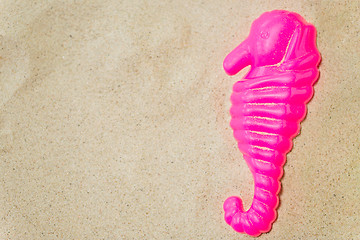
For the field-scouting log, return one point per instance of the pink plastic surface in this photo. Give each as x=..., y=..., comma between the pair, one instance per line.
x=268, y=105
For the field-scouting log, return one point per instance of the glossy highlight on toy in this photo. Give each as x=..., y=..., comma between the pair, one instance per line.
x=268, y=105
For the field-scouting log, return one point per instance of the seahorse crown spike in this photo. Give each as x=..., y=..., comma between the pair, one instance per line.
x=268, y=105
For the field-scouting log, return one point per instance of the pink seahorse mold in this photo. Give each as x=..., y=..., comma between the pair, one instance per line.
x=268, y=106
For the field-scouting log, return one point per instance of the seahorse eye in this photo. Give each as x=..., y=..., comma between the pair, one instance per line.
x=265, y=34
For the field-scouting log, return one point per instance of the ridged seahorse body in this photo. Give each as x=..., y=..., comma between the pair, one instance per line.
x=268, y=105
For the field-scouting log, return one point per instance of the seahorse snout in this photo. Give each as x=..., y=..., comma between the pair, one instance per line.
x=238, y=59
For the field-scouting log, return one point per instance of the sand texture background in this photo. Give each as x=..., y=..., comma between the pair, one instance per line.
x=114, y=121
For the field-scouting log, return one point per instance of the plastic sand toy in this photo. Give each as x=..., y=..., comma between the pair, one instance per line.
x=268, y=105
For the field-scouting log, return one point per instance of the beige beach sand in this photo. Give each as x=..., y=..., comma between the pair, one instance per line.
x=114, y=122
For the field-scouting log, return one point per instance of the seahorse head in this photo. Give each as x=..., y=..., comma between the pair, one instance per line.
x=274, y=37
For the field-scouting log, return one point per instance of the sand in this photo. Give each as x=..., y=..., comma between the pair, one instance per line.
x=114, y=122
